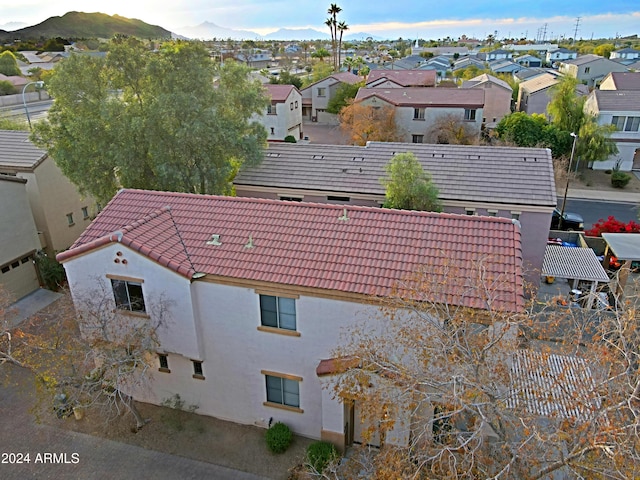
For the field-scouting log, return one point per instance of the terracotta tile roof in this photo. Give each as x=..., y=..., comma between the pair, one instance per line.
x=17, y=152
x=406, y=78
x=279, y=93
x=305, y=244
x=426, y=97
x=472, y=173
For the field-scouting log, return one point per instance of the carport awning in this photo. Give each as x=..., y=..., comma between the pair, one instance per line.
x=573, y=262
x=625, y=246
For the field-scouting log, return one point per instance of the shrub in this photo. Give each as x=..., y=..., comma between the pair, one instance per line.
x=320, y=454
x=279, y=437
x=620, y=179
x=290, y=139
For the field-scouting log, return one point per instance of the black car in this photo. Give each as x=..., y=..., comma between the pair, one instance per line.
x=570, y=221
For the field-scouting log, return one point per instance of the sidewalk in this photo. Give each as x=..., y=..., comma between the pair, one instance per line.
x=601, y=195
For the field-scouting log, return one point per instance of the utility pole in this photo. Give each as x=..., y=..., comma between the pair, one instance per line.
x=544, y=33
x=575, y=32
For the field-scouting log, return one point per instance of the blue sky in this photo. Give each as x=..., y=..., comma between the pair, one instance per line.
x=385, y=18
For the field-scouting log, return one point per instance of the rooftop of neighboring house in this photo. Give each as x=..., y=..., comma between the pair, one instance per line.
x=528, y=73
x=562, y=50
x=617, y=100
x=17, y=153
x=344, y=77
x=526, y=56
x=425, y=97
x=405, y=78
x=538, y=83
x=15, y=80
x=279, y=93
x=507, y=175
x=486, y=78
x=341, y=250
x=584, y=59
x=626, y=80
x=627, y=50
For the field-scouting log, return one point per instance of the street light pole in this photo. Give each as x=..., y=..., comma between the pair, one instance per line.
x=566, y=188
x=38, y=84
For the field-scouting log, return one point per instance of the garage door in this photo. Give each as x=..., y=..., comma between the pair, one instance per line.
x=19, y=277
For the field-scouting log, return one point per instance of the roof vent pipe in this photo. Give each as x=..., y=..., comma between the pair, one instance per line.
x=215, y=240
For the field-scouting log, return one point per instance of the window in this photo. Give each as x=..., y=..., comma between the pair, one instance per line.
x=283, y=391
x=587, y=69
x=271, y=109
x=322, y=91
x=24, y=260
x=278, y=312
x=70, y=219
x=85, y=212
x=296, y=103
x=273, y=130
x=291, y=106
x=470, y=114
x=470, y=211
x=418, y=113
x=515, y=215
x=164, y=362
x=632, y=124
x=492, y=213
x=417, y=138
x=618, y=122
x=128, y=295
x=197, y=369
x=15, y=264
x=291, y=199
x=5, y=269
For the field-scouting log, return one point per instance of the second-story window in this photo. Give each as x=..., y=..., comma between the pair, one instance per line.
x=418, y=113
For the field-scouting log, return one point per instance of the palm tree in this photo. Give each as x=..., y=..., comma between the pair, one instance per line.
x=305, y=48
x=332, y=23
x=342, y=26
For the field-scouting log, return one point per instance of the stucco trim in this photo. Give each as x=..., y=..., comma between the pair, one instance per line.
x=279, y=331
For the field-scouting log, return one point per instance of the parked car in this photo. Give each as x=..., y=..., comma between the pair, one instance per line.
x=570, y=221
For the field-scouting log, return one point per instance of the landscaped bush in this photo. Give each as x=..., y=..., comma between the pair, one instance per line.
x=620, y=179
x=320, y=454
x=290, y=139
x=279, y=437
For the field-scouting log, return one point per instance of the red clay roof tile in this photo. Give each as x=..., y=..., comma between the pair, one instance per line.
x=306, y=244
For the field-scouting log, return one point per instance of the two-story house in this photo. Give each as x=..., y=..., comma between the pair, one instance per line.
x=60, y=212
x=590, y=69
x=510, y=182
x=497, y=97
x=315, y=97
x=418, y=109
x=621, y=81
x=626, y=56
x=283, y=116
x=18, y=238
x=528, y=61
x=255, y=292
x=560, y=55
x=534, y=95
x=620, y=108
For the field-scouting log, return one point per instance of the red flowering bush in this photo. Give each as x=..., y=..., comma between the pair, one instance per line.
x=611, y=225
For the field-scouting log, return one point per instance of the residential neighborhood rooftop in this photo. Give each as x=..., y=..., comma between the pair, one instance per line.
x=541, y=82
x=406, y=78
x=353, y=250
x=425, y=97
x=17, y=152
x=626, y=80
x=279, y=93
x=509, y=175
x=618, y=100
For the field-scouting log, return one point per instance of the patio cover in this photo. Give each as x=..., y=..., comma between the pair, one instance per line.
x=574, y=263
x=625, y=246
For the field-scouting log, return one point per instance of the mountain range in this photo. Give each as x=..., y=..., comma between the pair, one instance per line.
x=92, y=25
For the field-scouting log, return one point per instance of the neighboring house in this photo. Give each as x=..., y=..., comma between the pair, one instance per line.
x=533, y=95
x=316, y=96
x=560, y=55
x=402, y=78
x=511, y=182
x=17, y=81
x=60, y=212
x=467, y=62
x=622, y=109
x=18, y=238
x=625, y=56
x=590, y=69
x=528, y=61
x=634, y=67
x=440, y=64
x=417, y=109
x=283, y=116
x=497, y=97
x=530, y=73
x=498, y=54
x=540, y=48
x=443, y=50
x=255, y=58
x=621, y=81
x=256, y=292
x=504, y=66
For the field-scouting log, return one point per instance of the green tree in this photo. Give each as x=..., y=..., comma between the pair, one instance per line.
x=534, y=131
x=594, y=143
x=344, y=93
x=7, y=88
x=604, y=50
x=8, y=64
x=319, y=71
x=321, y=53
x=139, y=119
x=286, y=78
x=566, y=106
x=408, y=186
